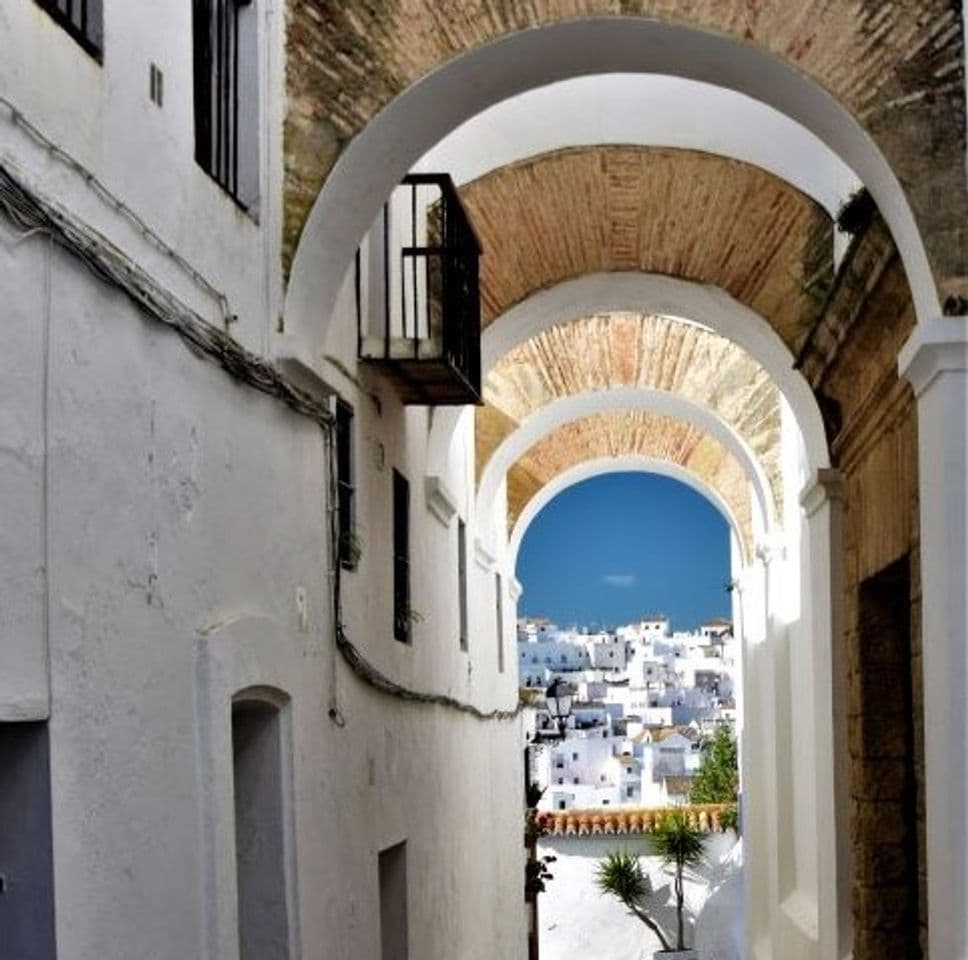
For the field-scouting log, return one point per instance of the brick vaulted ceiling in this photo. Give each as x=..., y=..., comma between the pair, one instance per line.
x=681, y=213
x=896, y=65
x=676, y=212
x=630, y=433
x=633, y=350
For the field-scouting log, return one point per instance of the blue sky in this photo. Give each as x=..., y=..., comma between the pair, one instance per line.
x=619, y=546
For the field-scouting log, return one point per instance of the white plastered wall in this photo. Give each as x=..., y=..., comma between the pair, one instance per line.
x=165, y=543
x=186, y=531
x=102, y=117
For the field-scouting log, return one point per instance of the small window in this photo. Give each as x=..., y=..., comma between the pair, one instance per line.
x=394, y=924
x=82, y=19
x=349, y=553
x=561, y=804
x=561, y=780
x=574, y=756
x=629, y=791
x=462, y=582
x=226, y=56
x=575, y=780
x=605, y=803
x=26, y=862
x=259, y=765
x=402, y=614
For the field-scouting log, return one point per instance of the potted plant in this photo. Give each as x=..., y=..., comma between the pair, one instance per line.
x=536, y=872
x=680, y=845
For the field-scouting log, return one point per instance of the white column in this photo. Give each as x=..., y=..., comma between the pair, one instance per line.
x=935, y=361
x=822, y=503
x=760, y=822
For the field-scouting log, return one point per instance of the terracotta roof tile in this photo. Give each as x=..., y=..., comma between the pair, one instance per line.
x=603, y=821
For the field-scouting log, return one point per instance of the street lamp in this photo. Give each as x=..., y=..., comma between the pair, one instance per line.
x=558, y=700
x=558, y=704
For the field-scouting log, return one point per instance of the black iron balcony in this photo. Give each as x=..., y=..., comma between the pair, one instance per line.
x=418, y=296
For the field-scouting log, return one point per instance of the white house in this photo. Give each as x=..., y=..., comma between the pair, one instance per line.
x=543, y=655
x=607, y=652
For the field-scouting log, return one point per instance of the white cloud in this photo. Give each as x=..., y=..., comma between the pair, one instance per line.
x=619, y=579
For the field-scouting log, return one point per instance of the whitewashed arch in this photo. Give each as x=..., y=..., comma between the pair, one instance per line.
x=643, y=110
x=578, y=406
x=630, y=463
x=645, y=293
x=406, y=128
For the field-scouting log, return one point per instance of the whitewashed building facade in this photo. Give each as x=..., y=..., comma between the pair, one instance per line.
x=246, y=723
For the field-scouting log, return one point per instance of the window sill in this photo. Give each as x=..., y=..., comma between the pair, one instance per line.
x=93, y=49
x=250, y=211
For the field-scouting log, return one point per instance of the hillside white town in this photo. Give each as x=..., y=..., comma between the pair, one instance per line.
x=644, y=699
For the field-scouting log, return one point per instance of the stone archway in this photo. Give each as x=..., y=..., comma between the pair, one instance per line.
x=406, y=107
x=636, y=420
x=630, y=463
x=657, y=294
x=384, y=147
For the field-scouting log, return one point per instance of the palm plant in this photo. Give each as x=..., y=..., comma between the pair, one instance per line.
x=680, y=845
x=620, y=874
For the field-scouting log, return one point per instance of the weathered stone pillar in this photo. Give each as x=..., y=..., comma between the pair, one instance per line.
x=935, y=361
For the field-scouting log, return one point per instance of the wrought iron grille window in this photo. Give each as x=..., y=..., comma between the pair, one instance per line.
x=225, y=45
x=345, y=488
x=418, y=311
x=82, y=19
x=402, y=615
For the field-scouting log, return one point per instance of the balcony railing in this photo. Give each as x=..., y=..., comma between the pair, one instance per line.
x=418, y=295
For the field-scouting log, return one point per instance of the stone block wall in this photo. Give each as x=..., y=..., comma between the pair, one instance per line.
x=885, y=768
x=872, y=422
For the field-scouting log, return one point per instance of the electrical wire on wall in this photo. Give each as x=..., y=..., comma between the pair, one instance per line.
x=360, y=666
x=118, y=205
x=30, y=213
x=27, y=211
x=333, y=594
